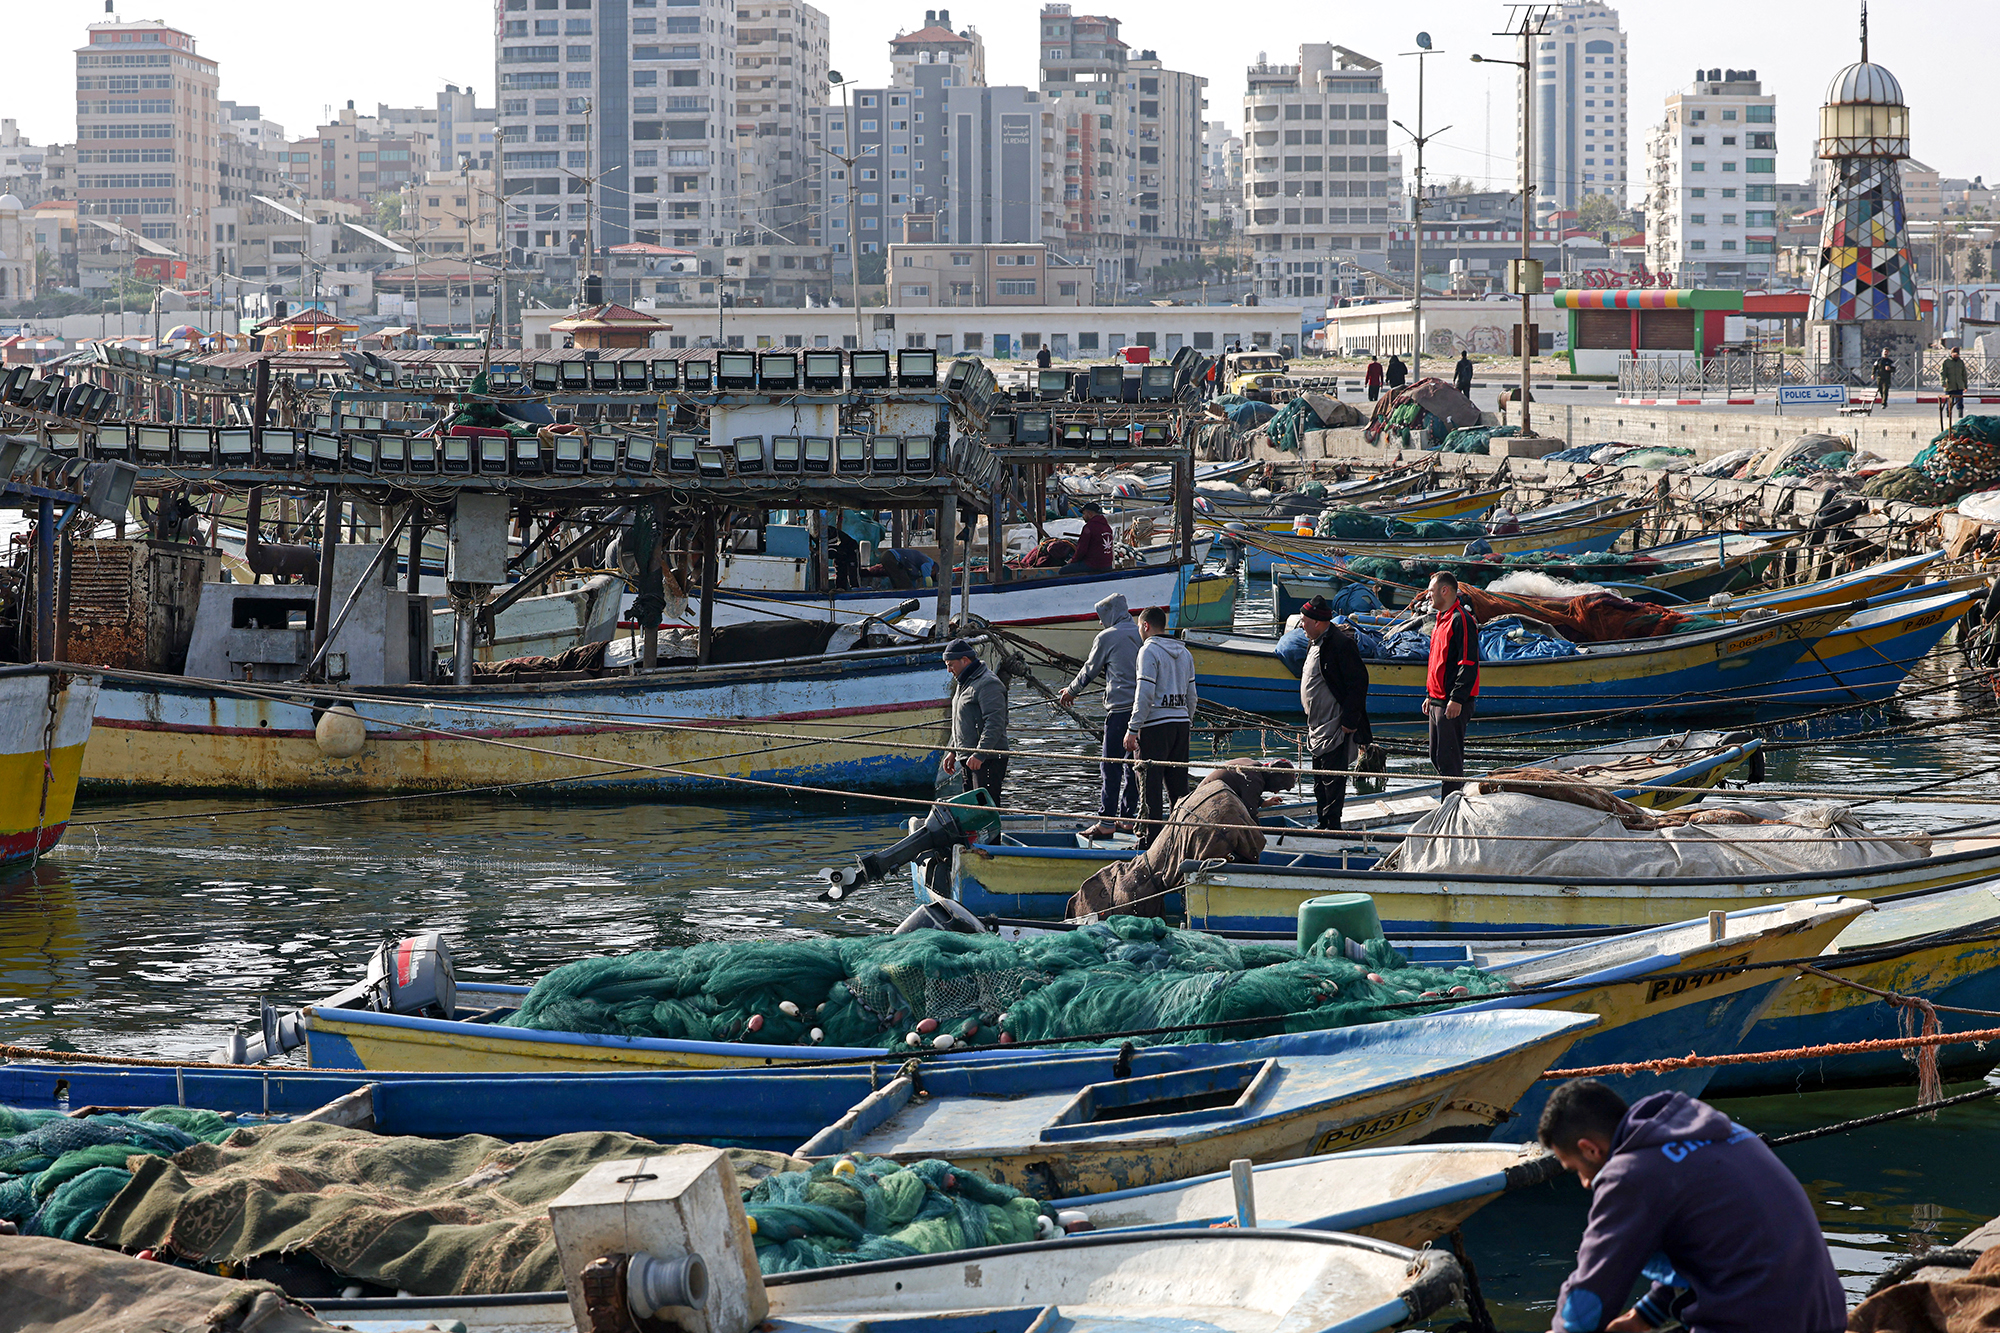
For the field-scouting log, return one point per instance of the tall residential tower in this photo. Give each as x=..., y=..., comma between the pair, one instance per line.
x=1580, y=109
x=148, y=126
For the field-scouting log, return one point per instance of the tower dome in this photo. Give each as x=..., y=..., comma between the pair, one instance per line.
x=1863, y=83
x=10, y=203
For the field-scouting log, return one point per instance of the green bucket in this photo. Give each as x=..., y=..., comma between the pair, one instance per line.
x=1350, y=916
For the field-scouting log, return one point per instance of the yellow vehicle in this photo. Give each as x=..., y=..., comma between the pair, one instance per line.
x=1251, y=370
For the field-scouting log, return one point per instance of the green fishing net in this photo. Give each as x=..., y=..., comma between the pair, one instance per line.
x=851, y=1210
x=1121, y=975
x=57, y=1174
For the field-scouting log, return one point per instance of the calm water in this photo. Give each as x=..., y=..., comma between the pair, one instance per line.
x=148, y=937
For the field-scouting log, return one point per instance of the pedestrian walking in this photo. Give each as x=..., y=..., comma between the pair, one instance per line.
x=1333, y=694
x=1885, y=372
x=1042, y=358
x=1163, y=705
x=1452, y=682
x=1114, y=654
x=1461, y=374
x=978, y=720
x=1372, y=377
x=1398, y=374
x=1953, y=374
x=1684, y=1196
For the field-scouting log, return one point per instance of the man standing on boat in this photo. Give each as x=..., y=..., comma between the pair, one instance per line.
x=1114, y=654
x=978, y=720
x=1333, y=694
x=1163, y=705
x=1683, y=1195
x=1453, y=680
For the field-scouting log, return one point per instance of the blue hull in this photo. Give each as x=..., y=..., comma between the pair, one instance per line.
x=1870, y=673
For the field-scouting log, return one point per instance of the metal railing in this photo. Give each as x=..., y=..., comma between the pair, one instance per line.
x=1747, y=374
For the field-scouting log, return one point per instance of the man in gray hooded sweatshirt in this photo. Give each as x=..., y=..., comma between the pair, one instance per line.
x=1114, y=654
x=1163, y=707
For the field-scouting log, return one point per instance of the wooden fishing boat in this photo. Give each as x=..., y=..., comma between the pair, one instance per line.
x=1361, y=490
x=1453, y=502
x=822, y=722
x=1700, y=672
x=1203, y=601
x=1586, y=528
x=1234, y=1281
x=45, y=723
x=1857, y=585
x=1868, y=656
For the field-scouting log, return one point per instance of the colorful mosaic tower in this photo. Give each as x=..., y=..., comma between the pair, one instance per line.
x=1864, y=294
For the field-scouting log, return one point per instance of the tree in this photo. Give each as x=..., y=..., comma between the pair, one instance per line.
x=1598, y=213
x=874, y=267
x=388, y=210
x=1975, y=263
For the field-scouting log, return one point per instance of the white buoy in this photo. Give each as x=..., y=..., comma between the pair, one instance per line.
x=340, y=733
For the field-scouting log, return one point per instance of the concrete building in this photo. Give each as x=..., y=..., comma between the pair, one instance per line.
x=451, y=213
x=1582, y=112
x=51, y=226
x=359, y=158
x=936, y=44
x=782, y=52
x=456, y=126
x=1923, y=195
x=999, y=175
x=1320, y=186
x=1221, y=175
x=940, y=276
x=20, y=164
x=252, y=158
x=1712, y=183
x=17, y=250
x=1171, y=120
x=147, y=120
x=895, y=138
x=638, y=98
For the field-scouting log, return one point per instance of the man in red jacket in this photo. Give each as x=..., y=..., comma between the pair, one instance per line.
x=1372, y=377
x=1096, y=545
x=1453, y=682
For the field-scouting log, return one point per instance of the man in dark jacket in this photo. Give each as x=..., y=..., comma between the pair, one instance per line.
x=1096, y=545
x=1042, y=357
x=1398, y=373
x=1885, y=373
x=1952, y=374
x=978, y=720
x=1681, y=1194
x=1461, y=374
x=1452, y=681
x=1333, y=694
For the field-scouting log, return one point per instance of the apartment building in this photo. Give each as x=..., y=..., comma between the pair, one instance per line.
x=999, y=173
x=932, y=276
x=252, y=157
x=608, y=107
x=1320, y=186
x=1582, y=111
x=1171, y=118
x=147, y=130
x=782, y=52
x=936, y=44
x=1712, y=183
x=451, y=213
x=357, y=158
x=20, y=164
x=456, y=126
x=1221, y=174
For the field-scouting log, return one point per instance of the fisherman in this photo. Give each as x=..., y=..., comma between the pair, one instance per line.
x=1333, y=694
x=1683, y=1195
x=1398, y=373
x=1114, y=654
x=904, y=567
x=1372, y=377
x=1163, y=705
x=1461, y=374
x=1217, y=823
x=1096, y=545
x=1885, y=371
x=978, y=720
x=1952, y=372
x=1453, y=680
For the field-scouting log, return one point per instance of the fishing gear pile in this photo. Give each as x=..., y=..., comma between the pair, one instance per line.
x=57, y=1174
x=853, y=1210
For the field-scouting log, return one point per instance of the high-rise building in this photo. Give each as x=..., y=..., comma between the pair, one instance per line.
x=1171, y=116
x=147, y=125
x=936, y=44
x=607, y=112
x=782, y=52
x=1320, y=186
x=252, y=158
x=1581, y=109
x=997, y=188
x=358, y=158
x=1221, y=174
x=1712, y=183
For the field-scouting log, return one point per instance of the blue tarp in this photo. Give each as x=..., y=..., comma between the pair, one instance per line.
x=1495, y=645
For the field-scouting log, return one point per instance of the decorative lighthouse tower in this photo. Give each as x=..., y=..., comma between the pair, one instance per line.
x=1864, y=294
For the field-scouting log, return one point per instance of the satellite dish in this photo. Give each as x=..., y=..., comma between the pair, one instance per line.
x=1424, y=41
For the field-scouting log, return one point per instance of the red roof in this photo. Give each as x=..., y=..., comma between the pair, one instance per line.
x=933, y=35
x=608, y=315
x=1777, y=303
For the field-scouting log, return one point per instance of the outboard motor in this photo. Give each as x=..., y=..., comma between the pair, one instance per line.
x=407, y=976
x=957, y=819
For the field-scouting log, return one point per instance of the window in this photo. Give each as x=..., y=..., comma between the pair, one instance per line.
x=868, y=126
x=1729, y=166
x=1761, y=166
x=577, y=27
x=1729, y=194
x=1730, y=114
x=1756, y=246
x=1697, y=193
x=1697, y=219
x=1701, y=166
x=527, y=55
x=1762, y=193
x=1729, y=245
x=1761, y=218
x=1728, y=219
x=1728, y=141
x=1698, y=138
x=1760, y=115
x=1697, y=245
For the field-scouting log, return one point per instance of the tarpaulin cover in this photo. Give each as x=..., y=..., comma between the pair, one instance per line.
x=1593, y=617
x=52, y=1286
x=434, y=1217
x=1444, y=402
x=1619, y=567
x=1497, y=643
x=1511, y=833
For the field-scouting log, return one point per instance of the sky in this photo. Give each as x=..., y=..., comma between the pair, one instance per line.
x=404, y=51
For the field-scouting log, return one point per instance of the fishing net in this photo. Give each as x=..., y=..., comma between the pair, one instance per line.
x=57, y=1174
x=1120, y=975
x=852, y=1210
x=1360, y=525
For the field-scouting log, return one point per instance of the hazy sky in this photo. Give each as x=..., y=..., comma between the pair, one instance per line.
x=279, y=56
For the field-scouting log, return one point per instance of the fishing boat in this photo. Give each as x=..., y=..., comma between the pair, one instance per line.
x=1572, y=529
x=1699, y=672
x=1857, y=585
x=1452, y=502
x=45, y=723
x=1867, y=657
x=869, y=718
x=1360, y=490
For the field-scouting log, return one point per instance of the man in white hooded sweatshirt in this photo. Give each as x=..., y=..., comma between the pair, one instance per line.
x=1114, y=654
x=1163, y=706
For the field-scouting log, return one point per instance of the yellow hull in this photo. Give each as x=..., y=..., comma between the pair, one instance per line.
x=45, y=720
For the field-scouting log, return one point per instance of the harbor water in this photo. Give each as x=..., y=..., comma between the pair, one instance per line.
x=156, y=924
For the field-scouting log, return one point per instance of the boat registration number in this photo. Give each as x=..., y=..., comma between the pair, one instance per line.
x=1668, y=987
x=1367, y=1131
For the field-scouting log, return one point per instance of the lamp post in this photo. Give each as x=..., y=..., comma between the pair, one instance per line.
x=1419, y=138
x=853, y=241
x=1532, y=17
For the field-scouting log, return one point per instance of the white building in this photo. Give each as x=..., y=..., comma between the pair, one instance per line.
x=642, y=101
x=1320, y=186
x=936, y=44
x=782, y=52
x=1221, y=174
x=1712, y=183
x=1581, y=110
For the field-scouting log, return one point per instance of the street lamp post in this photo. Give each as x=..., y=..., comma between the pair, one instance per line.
x=1419, y=138
x=1532, y=17
x=853, y=241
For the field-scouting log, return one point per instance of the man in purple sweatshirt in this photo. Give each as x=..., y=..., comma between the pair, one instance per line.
x=1684, y=1196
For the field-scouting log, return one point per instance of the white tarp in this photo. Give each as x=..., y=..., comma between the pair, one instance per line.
x=1514, y=834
